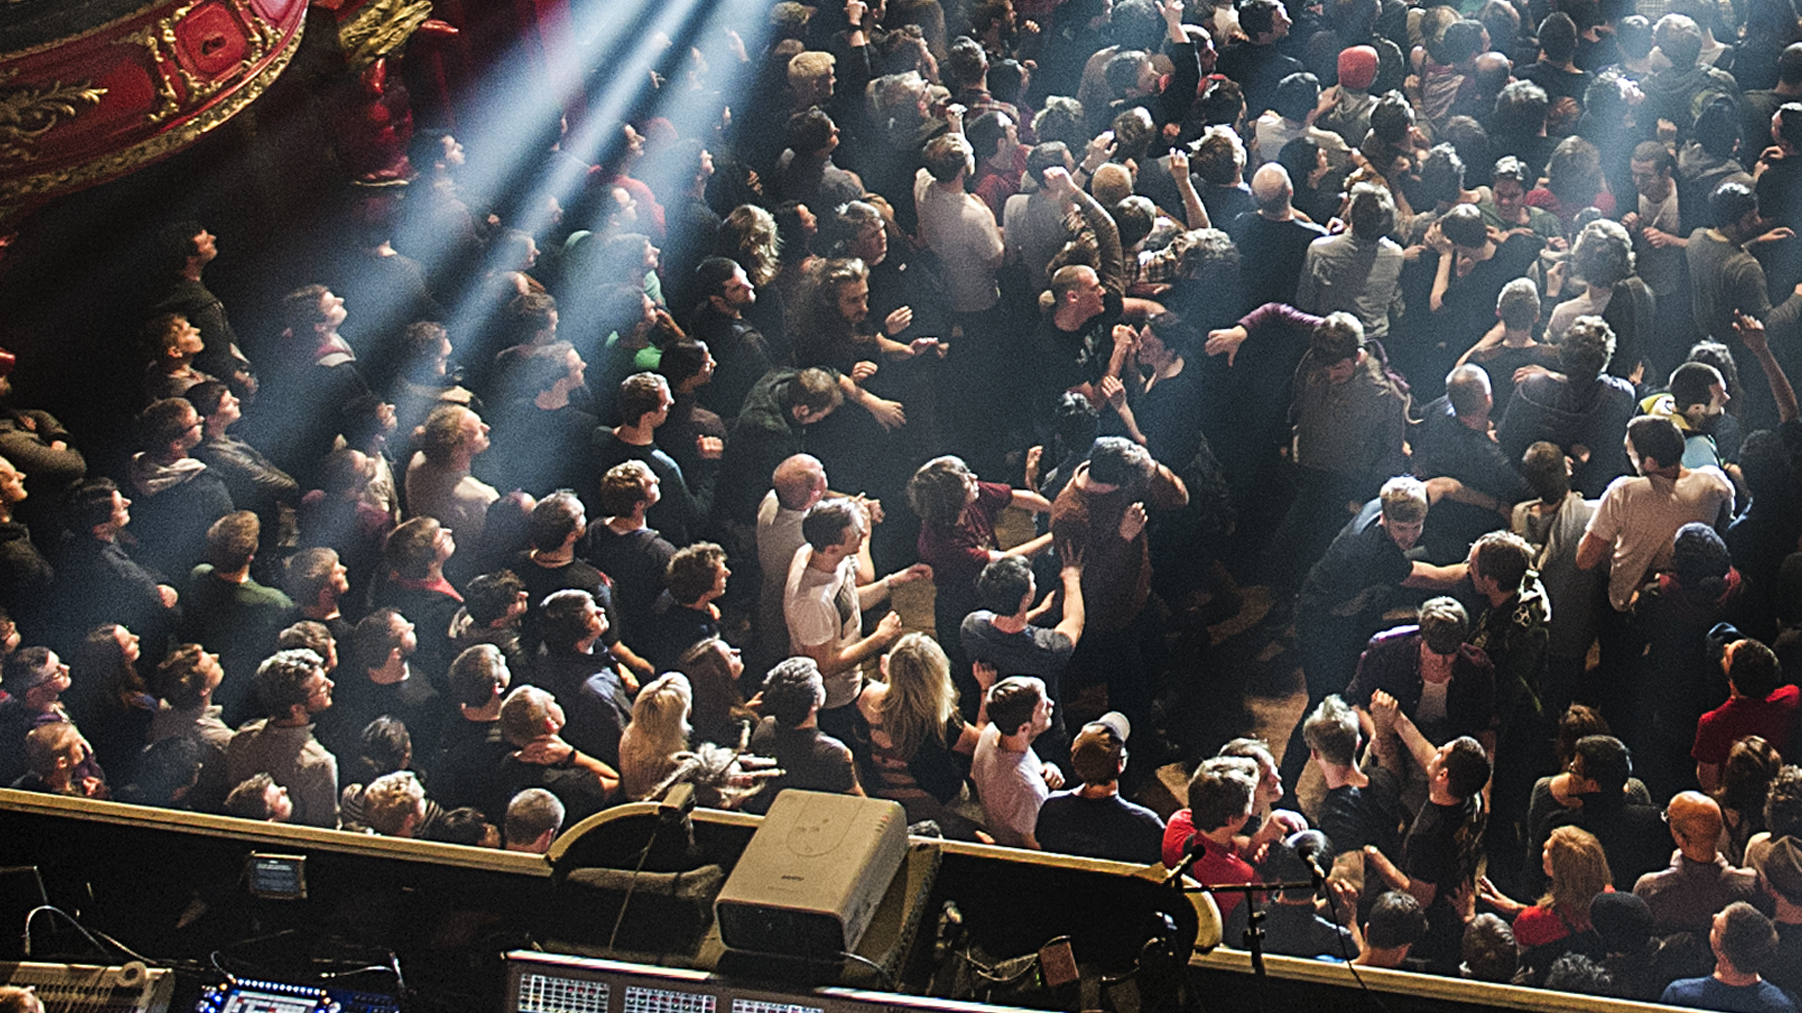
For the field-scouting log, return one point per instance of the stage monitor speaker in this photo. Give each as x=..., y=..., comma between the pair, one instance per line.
x=812, y=875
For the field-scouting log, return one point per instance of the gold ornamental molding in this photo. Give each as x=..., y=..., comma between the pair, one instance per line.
x=28, y=113
x=379, y=29
x=160, y=40
x=18, y=191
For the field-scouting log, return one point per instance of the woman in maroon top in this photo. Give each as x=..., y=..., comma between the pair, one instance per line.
x=957, y=539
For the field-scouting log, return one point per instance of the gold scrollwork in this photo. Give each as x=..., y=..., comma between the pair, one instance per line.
x=25, y=191
x=379, y=29
x=29, y=113
x=159, y=40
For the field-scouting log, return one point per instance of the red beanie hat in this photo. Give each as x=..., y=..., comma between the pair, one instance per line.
x=1358, y=67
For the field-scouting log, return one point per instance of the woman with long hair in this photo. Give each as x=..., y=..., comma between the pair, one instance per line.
x=112, y=704
x=1746, y=779
x=958, y=513
x=659, y=730
x=718, y=714
x=1559, y=923
x=920, y=744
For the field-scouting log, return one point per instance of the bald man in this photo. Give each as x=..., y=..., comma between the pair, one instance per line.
x=797, y=483
x=1272, y=240
x=1699, y=882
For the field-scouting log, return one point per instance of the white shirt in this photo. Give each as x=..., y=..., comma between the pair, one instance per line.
x=823, y=608
x=1012, y=786
x=961, y=229
x=1640, y=517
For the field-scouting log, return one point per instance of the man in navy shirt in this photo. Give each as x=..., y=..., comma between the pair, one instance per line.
x=1743, y=941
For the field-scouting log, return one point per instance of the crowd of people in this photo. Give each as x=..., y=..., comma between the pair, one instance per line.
x=1465, y=333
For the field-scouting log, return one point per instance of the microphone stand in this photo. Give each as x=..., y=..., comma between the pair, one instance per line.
x=1254, y=914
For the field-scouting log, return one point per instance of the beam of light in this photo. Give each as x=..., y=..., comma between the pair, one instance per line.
x=604, y=71
x=599, y=73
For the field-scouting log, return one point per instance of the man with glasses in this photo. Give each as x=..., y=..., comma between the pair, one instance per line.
x=178, y=498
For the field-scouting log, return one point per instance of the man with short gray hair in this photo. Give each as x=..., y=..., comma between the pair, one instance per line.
x=533, y=818
x=1273, y=243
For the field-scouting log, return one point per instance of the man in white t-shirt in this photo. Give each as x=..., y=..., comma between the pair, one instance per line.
x=796, y=485
x=1639, y=516
x=1634, y=526
x=1010, y=777
x=823, y=603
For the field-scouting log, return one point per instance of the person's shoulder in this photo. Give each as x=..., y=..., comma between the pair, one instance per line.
x=977, y=624
x=1142, y=814
x=1400, y=640
x=249, y=730
x=1624, y=486
x=764, y=734
x=827, y=749
x=1684, y=991
x=1775, y=999
x=1710, y=475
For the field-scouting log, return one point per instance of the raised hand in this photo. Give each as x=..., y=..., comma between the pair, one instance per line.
x=1133, y=521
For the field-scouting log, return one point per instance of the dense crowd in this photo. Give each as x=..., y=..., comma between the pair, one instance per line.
x=1465, y=333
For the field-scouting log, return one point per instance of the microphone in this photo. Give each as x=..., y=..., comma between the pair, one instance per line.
x=1315, y=872
x=1310, y=846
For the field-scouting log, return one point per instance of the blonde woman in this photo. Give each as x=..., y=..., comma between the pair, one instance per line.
x=1578, y=870
x=659, y=730
x=920, y=744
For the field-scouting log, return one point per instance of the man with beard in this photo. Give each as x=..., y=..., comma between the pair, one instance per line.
x=738, y=348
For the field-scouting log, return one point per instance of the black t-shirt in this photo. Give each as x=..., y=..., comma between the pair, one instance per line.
x=543, y=581
x=1443, y=848
x=579, y=790
x=1470, y=300
x=1354, y=817
x=637, y=562
x=673, y=629
x=356, y=701
x=464, y=771
x=1271, y=255
x=810, y=760
x=1073, y=358
x=1557, y=83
